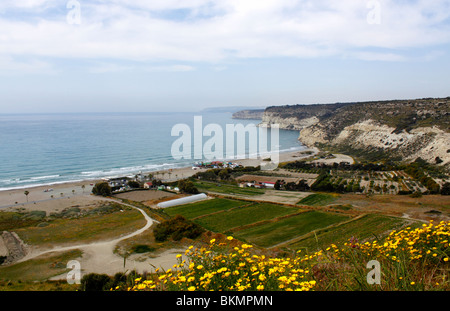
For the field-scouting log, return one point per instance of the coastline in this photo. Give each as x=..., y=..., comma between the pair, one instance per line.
x=73, y=190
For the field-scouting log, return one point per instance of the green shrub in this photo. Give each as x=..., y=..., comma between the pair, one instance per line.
x=176, y=228
x=187, y=187
x=142, y=248
x=102, y=188
x=95, y=282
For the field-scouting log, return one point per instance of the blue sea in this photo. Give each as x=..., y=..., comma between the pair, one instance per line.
x=44, y=149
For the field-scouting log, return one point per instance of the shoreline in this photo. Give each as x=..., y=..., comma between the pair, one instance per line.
x=15, y=198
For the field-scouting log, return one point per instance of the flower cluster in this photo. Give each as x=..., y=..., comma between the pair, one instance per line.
x=222, y=267
x=411, y=259
x=429, y=241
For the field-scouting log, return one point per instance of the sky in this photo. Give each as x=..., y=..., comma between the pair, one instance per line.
x=187, y=55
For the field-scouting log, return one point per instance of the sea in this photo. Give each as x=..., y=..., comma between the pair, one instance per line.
x=46, y=149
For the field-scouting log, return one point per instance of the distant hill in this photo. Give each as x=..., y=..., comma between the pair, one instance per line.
x=255, y=114
x=231, y=109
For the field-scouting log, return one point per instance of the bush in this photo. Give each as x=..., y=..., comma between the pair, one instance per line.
x=445, y=189
x=142, y=248
x=102, y=188
x=35, y=215
x=416, y=194
x=95, y=282
x=187, y=187
x=176, y=228
x=134, y=184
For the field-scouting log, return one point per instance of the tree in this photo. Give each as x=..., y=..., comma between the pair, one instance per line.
x=133, y=184
x=224, y=174
x=26, y=194
x=102, y=188
x=445, y=190
x=277, y=185
x=187, y=187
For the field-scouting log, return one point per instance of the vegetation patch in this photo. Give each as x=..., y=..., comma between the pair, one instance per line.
x=273, y=233
x=142, y=248
x=84, y=229
x=38, y=269
x=367, y=227
x=176, y=228
x=318, y=199
x=227, y=188
x=222, y=222
x=197, y=209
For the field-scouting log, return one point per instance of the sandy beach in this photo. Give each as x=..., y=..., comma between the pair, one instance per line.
x=58, y=196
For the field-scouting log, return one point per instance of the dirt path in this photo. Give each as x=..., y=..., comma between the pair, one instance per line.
x=99, y=257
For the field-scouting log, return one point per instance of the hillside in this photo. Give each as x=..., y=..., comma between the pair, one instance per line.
x=404, y=129
x=251, y=114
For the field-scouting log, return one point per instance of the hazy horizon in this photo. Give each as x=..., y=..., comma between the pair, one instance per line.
x=82, y=56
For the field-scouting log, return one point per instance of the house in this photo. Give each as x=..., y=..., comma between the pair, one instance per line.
x=148, y=185
x=117, y=183
x=243, y=184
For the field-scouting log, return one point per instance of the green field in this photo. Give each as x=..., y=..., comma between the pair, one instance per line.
x=366, y=227
x=205, y=186
x=272, y=233
x=39, y=269
x=318, y=199
x=197, y=209
x=82, y=230
x=262, y=224
x=222, y=222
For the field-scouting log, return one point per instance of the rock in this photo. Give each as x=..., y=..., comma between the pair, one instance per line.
x=403, y=128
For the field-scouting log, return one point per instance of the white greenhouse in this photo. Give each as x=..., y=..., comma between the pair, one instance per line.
x=181, y=201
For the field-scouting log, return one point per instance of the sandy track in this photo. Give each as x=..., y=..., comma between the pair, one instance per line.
x=98, y=257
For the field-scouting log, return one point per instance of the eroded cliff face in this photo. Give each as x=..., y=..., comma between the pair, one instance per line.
x=406, y=129
x=292, y=123
x=425, y=142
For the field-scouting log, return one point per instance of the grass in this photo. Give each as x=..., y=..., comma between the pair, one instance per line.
x=318, y=199
x=273, y=233
x=13, y=220
x=38, y=269
x=367, y=227
x=411, y=259
x=196, y=209
x=82, y=230
x=227, y=188
x=222, y=222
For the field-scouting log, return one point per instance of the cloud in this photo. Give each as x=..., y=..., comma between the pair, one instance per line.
x=171, y=68
x=109, y=68
x=218, y=31
x=11, y=66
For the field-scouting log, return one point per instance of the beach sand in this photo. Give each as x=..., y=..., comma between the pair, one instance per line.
x=72, y=193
